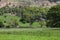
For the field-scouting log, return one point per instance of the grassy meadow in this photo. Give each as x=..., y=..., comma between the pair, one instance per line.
x=30, y=34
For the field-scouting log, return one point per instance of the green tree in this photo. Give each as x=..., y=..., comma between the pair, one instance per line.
x=53, y=16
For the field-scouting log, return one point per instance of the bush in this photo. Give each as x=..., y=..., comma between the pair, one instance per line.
x=9, y=21
x=53, y=16
x=1, y=25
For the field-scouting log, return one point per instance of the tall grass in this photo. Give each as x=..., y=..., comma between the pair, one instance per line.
x=29, y=34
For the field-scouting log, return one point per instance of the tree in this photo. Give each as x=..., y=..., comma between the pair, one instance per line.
x=53, y=16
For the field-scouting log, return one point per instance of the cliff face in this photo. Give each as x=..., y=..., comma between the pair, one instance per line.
x=31, y=3
x=54, y=0
x=28, y=0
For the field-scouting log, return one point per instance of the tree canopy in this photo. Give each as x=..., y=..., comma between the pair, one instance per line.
x=53, y=16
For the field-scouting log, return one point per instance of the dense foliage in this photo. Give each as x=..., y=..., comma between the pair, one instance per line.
x=53, y=16
x=23, y=16
x=29, y=16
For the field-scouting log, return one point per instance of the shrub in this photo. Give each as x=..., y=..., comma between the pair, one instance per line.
x=53, y=16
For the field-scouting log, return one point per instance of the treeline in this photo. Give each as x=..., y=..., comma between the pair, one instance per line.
x=26, y=17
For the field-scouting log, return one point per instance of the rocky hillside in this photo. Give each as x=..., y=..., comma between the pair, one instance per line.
x=30, y=3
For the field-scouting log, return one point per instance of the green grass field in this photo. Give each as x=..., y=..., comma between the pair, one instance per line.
x=29, y=34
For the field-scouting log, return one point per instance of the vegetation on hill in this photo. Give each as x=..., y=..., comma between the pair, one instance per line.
x=29, y=16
